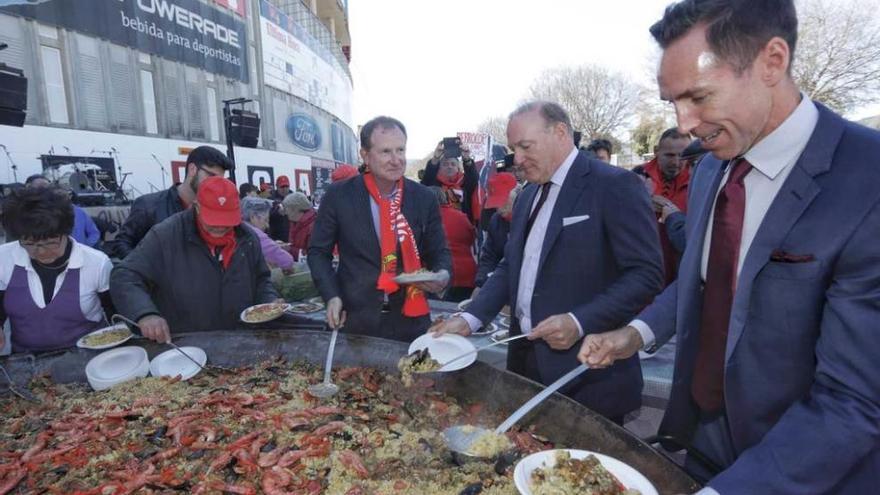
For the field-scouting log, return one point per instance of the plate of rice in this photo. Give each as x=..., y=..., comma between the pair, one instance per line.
x=578, y=472
x=105, y=338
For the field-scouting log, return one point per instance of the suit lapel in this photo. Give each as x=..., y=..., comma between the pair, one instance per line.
x=569, y=193
x=364, y=213
x=793, y=199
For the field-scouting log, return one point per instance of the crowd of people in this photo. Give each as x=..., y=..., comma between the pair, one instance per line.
x=750, y=236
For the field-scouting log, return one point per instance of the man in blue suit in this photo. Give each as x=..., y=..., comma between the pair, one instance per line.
x=777, y=300
x=583, y=256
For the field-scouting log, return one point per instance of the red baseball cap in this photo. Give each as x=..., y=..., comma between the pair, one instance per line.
x=282, y=181
x=218, y=202
x=500, y=185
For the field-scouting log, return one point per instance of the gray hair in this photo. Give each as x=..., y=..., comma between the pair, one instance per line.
x=551, y=112
x=251, y=207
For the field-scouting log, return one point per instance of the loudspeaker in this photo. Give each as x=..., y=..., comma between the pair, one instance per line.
x=13, y=96
x=244, y=128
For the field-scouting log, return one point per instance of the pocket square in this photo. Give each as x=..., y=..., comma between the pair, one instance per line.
x=573, y=220
x=780, y=256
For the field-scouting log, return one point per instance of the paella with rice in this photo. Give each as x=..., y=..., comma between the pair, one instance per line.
x=252, y=430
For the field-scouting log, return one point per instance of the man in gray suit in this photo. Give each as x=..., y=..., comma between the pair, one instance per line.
x=382, y=225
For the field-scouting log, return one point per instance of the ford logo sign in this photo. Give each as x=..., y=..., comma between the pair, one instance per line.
x=304, y=131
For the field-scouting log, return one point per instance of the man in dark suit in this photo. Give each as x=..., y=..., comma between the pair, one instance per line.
x=582, y=255
x=778, y=293
x=383, y=225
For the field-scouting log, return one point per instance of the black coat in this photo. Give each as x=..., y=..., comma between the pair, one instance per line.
x=146, y=211
x=468, y=186
x=345, y=219
x=171, y=273
x=279, y=224
x=493, y=247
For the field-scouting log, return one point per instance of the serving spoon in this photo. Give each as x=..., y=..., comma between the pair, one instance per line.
x=326, y=388
x=208, y=369
x=460, y=438
x=24, y=393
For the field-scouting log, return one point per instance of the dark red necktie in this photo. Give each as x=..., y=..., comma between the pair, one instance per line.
x=707, y=387
x=545, y=190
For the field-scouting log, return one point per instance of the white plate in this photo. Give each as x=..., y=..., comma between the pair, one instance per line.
x=245, y=310
x=116, y=366
x=622, y=471
x=172, y=363
x=82, y=340
x=445, y=348
x=464, y=304
x=499, y=335
x=412, y=278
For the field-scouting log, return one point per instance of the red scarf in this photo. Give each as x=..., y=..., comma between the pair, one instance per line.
x=226, y=243
x=393, y=227
x=452, y=186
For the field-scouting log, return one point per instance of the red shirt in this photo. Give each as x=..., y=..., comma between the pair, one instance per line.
x=676, y=191
x=460, y=235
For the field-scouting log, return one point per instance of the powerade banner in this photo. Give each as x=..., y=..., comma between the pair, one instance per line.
x=186, y=31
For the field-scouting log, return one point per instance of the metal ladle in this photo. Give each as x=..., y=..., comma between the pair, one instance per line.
x=460, y=438
x=326, y=388
x=208, y=368
x=24, y=393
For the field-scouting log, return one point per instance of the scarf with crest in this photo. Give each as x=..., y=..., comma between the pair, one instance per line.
x=394, y=228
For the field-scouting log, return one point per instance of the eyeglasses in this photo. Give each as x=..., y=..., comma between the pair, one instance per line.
x=210, y=173
x=34, y=246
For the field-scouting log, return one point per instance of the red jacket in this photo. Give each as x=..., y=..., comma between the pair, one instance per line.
x=460, y=235
x=677, y=192
x=301, y=232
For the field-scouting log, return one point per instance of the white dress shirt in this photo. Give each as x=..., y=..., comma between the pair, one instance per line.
x=94, y=275
x=528, y=273
x=772, y=159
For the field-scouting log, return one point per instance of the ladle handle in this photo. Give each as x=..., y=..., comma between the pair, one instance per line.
x=478, y=349
x=118, y=317
x=329, y=363
x=534, y=401
x=137, y=327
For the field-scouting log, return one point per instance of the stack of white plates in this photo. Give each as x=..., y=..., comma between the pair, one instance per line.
x=117, y=366
x=127, y=363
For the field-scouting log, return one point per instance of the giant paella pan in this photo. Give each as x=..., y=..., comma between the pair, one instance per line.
x=256, y=429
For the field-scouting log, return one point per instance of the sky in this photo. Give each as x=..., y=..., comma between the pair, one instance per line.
x=444, y=66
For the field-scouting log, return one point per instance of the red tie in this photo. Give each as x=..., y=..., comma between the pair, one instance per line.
x=707, y=387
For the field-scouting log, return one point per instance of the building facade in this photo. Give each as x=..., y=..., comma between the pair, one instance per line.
x=119, y=91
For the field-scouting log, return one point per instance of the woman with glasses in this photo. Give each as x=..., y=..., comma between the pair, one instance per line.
x=255, y=214
x=53, y=289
